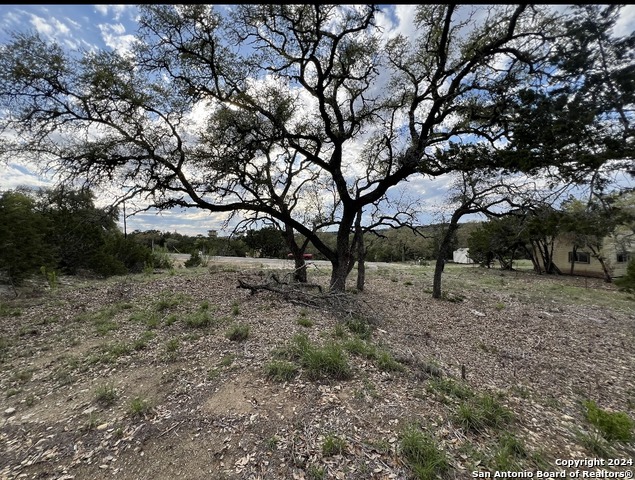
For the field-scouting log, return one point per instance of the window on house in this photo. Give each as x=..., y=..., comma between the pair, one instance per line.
x=580, y=257
x=623, y=257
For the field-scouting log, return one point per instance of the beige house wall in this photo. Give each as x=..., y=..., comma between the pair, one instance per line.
x=610, y=250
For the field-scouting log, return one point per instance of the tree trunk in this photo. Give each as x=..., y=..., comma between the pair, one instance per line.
x=299, y=273
x=444, y=247
x=361, y=255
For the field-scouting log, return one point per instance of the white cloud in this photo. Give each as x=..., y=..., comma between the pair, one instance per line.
x=113, y=35
x=115, y=11
x=49, y=27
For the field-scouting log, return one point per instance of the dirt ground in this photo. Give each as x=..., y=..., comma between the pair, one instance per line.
x=146, y=377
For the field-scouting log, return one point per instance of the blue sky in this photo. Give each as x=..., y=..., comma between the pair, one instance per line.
x=87, y=27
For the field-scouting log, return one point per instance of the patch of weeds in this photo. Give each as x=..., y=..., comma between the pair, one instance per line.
x=106, y=395
x=238, y=333
x=368, y=390
x=487, y=348
x=272, y=442
x=199, y=319
x=235, y=309
x=499, y=306
x=521, y=391
x=360, y=327
x=305, y=322
x=28, y=331
x=453, y=388
x=5, y=344
x=382, y=446
x=227, y=360
x=429, y=369
x=281, y=371
x=333, y=445
x=313, y=472
x=426, y=460
x=12, y=392
x=172, y=346
x=139, y=407
x=614, y=426
x=168, y=300
x=30, y=400
x=91, y=422
x=22, y=376
x=119, y=349
x=595, y=443
x=481, y=412
x=7, y=310
x=362, y=348
x=387, y=363
x=141, y=343
x=339, y=331
x=509, y=454
x=328, y=361
x=103, y=327
x=170, y=319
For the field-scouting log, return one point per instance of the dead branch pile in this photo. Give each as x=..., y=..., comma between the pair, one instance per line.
x=310, y=295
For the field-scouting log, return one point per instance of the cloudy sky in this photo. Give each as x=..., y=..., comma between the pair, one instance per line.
x=87, y=27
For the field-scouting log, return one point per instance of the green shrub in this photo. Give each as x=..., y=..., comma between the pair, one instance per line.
x=614, y=426
x=199, y=319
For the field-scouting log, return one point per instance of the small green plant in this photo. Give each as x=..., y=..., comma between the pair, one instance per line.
x=281, y=371
x=305, y=322
x=106, y=395
x=327, y=361
x=199, y=319
x=333, y=445
x=139, y=407
x=450, y=387
x=509, y=454
x=8, y=311
x=272, y=442
x=22, y=376
x=481, y=412
x=595, y=443
x=238, y=333
x=362, y=348
x=235, y=309
x=424, y=457
x=172, y=346
x=12, y=392
x=313, y=472
x=360, y=327
x=387, y=363
x=499, y=306
x=50, y=276
x=339, y=331
x=227, y=360
x=614, y=426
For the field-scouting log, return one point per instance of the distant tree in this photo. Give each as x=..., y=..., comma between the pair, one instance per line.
x=23, y=237
x=79, y=229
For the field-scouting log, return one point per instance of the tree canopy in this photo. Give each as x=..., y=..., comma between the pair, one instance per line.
x=309, y=114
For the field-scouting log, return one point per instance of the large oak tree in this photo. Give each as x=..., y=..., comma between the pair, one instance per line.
x=249, y=111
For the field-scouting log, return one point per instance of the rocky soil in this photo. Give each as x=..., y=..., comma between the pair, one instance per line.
x=148, y=376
